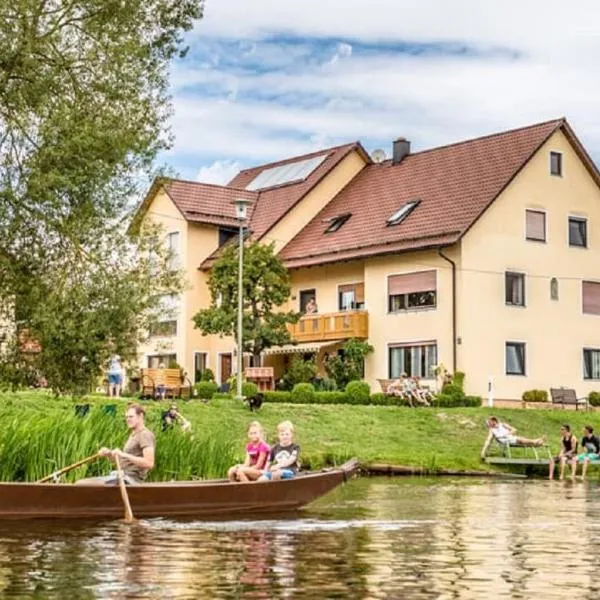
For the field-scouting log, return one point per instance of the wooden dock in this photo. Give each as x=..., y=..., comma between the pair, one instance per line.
x=527, y=461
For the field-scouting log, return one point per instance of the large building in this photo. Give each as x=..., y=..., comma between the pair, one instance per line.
x=483, y=255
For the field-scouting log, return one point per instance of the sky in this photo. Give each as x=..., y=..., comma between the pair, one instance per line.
x=269, y=79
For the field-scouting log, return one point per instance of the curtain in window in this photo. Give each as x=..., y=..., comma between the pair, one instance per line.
x=591, y=364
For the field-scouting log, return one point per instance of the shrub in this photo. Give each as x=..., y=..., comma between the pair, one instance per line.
x=379, y=399
x=459, y=379
x=206, y=389
x=303, y=393
x=299, y=371
x=324, y=384
x=348, y=366
x=451, y=389
x=535, y=396
x=207, y=375
x=455, y=400
x=249, y=389
x=594, y=398
x=473, y=401
x=331, y=398
x=278, y=396
x=358, y=392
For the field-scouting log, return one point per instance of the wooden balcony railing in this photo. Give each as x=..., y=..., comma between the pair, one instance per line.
x=331, y=326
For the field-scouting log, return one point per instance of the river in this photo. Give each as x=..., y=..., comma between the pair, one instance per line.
x=373, y=538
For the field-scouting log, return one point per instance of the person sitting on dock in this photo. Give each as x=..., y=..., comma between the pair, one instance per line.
x=285, y=456
x=257, y=454
x=568, y=453
x=136, y=459
x=503, y=433
x=590, y=443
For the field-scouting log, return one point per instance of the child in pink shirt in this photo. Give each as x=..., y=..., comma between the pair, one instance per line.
x=257, y=454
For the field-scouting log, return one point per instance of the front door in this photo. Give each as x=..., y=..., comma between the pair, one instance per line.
x=225, y=367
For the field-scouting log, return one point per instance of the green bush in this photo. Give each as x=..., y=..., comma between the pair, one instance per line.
x=379, y=399
x=473, y=401
x=331, y=398
x=324, y=384
x=205, y=389
x=535, y=396
x=207, y=375
x=451, y=389
x=299, y=371
x=594, y=398
x=459, y=379
x=358, y=392
x=303, y=393
x=278, y=396
x=249, y=389
x=455, y=400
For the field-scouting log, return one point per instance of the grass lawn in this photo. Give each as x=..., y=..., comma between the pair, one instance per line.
x=448, y=438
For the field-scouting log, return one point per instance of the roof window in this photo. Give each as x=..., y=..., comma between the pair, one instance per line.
x=336, y=222
x=288, y=173
x=403, y=212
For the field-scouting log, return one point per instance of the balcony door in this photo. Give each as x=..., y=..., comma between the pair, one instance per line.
x=351, y=296
x=305, y=297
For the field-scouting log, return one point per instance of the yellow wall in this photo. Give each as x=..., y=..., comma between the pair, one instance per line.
x=555, y=331
x=315, y=200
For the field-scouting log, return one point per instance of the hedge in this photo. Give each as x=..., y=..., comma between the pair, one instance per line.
x=205, y=389
x=535, y=396
x=358, y=392
x=594, y=398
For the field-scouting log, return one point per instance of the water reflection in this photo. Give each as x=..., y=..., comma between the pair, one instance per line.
x=369, y=540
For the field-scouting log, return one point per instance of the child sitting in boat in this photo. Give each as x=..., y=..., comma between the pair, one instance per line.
x=285, y=456
x=257, y=454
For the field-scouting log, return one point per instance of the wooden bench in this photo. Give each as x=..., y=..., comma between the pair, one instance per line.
x=567, y=396
x=176, y=386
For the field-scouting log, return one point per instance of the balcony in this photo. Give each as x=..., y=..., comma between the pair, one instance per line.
x=331, y=326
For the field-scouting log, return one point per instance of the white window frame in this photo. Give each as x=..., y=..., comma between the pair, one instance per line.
x=337, y=294
x=546, y=239
x=411, y=343
x=562, y=163
x=589, y=349
x=207, y=353
x=525, y=360
x=413, y=309
x=587, y=231
x=516, y=272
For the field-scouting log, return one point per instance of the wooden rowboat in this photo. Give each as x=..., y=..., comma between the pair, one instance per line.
x=211, y=498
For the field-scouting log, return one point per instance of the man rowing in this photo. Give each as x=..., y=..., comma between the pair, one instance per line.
x=136, y=458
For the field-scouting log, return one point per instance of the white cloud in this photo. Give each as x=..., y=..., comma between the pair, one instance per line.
x=534, y=61
x=219, y=172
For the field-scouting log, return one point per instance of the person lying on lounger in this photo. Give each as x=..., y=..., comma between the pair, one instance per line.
x=505, y=434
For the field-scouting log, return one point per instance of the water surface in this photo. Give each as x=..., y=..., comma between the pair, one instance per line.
x=371, y=539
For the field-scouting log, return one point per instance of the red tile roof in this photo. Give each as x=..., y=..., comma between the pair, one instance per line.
x=454, y=183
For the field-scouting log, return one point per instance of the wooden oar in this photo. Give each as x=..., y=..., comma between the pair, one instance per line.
x=124, y=495
x=69, y=468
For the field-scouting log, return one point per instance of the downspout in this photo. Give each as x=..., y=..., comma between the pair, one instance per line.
x=442, y=255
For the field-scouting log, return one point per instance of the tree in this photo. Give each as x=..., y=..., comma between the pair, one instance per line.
x=83, y=113
x=350, y=365
x=266, y=287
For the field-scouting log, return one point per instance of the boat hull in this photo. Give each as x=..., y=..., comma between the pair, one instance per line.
x=216, y=498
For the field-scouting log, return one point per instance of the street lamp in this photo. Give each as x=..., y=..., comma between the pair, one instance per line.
x=241, y=211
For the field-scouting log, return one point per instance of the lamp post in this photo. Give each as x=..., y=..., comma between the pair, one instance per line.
x=241, y=211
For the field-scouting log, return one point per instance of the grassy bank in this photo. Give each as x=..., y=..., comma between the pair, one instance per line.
x=40, y=434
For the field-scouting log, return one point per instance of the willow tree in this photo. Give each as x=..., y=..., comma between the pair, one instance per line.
x=84, y=112
x=266, y=289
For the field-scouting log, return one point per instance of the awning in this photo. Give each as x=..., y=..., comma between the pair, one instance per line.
x=303, y=347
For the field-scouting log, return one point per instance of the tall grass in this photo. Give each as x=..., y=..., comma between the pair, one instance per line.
x=39, y=438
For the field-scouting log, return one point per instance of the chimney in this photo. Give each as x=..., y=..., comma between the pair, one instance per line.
x=401, y=149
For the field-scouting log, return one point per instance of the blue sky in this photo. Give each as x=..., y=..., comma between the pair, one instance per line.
x=268, y=79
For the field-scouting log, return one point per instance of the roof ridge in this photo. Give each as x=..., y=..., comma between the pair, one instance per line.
x=300, y=156
x=560, y=121
x=217, y=185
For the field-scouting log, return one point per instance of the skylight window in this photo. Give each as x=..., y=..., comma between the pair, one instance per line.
x=402, y=213
x=296, y=171
x=336, y=222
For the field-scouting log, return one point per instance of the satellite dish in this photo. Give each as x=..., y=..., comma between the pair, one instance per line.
x=378, y=156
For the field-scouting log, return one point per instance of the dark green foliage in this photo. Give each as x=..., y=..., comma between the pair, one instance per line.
x=249, y=389
x=207, y=375
x=206, y=389
x=455, y=400
x=459, y=379
x=278, y=396
x=452, y=389
x=324, y=384
x=299, y=371
x=303, y=393
x=331, y=398
x=349, y=367
x=358, y=392
x=266, y=284
x=535, y=396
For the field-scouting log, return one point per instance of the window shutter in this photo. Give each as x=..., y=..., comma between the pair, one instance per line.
x=536, y=225
x=591, y=297
x=422, y=281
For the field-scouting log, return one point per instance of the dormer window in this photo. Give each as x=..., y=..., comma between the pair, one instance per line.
x=336, y=222
x=402, y=213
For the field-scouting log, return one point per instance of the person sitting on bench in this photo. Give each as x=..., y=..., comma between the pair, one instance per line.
x=503, y=433
x=568, y=452
x=590, y=443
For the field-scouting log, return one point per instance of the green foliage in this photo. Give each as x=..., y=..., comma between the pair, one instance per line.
x=207, y=375
x=222, y=396
x=459, y=379
x=249, y=389
x=278, y=396
x=206, y=389
x=173, y=364
x=84, y=103
x=535, y=396
x=299, y=371
x=303, y=393
x=266, y=288
x=455, y=400
x=358, y=392
x=348, y=367
x=594, y=398
x=324, y=384
x=451, y=389
x=331, y=398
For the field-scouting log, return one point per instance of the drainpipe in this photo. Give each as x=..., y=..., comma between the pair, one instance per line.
x=442, y=255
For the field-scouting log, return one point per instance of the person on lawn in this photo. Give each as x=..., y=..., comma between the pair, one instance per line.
x=568, y=453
